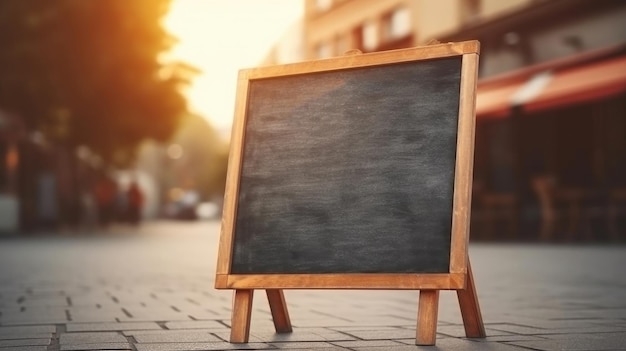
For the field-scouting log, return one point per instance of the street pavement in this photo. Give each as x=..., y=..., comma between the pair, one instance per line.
x=151, y=289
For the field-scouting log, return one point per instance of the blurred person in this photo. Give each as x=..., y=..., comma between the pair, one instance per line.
x=105, y=192
x=135, y=200
x=89, y=210
x=47, y=201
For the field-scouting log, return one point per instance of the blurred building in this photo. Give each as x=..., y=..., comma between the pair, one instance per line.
x=289, y=48
x=11, y=131
x=43, y=187
x=551, y=102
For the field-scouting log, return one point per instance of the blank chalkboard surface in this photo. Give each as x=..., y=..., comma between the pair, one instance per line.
x=350, y=172
x=351, y=166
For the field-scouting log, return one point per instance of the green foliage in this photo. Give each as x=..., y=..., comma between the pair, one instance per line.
x=205, y=156
x=86, y=72
x=199, y=164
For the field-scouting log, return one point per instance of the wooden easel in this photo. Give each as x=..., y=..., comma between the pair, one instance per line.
x=427, y=313
x=428, y=308
x=242, y=312
x=457, y=275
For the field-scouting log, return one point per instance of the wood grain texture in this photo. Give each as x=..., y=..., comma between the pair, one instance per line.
x=231, y=190
x=464, y=165
x=221, y=281
x=278, y=307
x=241, y=314
x=470, y=308
x=345, y=281
x=427, y=314
x=363, y=60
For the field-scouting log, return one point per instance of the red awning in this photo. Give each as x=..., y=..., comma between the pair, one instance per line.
x=494, y=100
x=556, y=87
x=580, y=84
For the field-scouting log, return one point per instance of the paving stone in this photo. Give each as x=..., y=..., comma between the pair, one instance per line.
x=93, y=319
x=457, y=331
x=313, y=345
x=194, y=325
x=508, y=338
x=390, y=344
x=562, y=324
x=18, y=336
x=587, y=342
x=171, y=332
x=383, y=334
x=298, y=335
x=163, y=313
x=225, y=336
x=327, y=333
x=92, y=301
x=525, y=330
x=396, y=348
x=94, y=315
x=24, y=342
x=202, y=346
x=412, y=341
x=96, y=346
x=86, y=327
x=84, y=338
x=199, y=315
x=151, y=318
x=515, y=329
x=583, y=330
x=367, y=328
x=41, y=301
x=448, y=344
x=30, y=320
x=288, y=337
x=40, y=315
x=608, y=322
x=179, y=336
x=27, y=330
x=26, y=348
x=326, y=322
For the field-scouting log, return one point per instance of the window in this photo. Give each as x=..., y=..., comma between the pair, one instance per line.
x=323, y=5
x=397, y=24
x=342, y=44
x=470, y=10
x=323, y=50
x=370, y=36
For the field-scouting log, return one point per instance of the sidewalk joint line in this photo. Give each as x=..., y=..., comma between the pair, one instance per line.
x=127, y=313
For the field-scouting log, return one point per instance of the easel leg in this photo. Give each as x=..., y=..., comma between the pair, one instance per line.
x=427, y=312
x=470, y=309
x=278, y=307
x=242, y=311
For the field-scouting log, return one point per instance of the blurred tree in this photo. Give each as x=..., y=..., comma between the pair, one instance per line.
x=205, y=156
x=88, y=72
x=196, y=160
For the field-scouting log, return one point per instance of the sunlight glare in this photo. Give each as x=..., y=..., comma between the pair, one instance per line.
x=219, y=38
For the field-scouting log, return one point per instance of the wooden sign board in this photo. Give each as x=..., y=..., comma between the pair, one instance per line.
x=352, y=173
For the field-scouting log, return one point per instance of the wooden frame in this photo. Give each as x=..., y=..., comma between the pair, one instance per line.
x=459, y=276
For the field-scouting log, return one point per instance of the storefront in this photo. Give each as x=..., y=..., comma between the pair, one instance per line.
x=550, y=161
x=10, y=132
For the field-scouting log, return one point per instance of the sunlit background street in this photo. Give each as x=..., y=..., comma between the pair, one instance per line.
x=98, y=96
x=115, y=127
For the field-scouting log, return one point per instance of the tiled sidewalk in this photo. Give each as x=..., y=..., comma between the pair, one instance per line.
x=152, y=289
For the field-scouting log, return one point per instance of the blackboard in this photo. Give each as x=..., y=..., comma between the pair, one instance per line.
x=351, y=166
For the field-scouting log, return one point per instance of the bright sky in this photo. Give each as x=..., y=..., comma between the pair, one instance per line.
x=220, y=37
